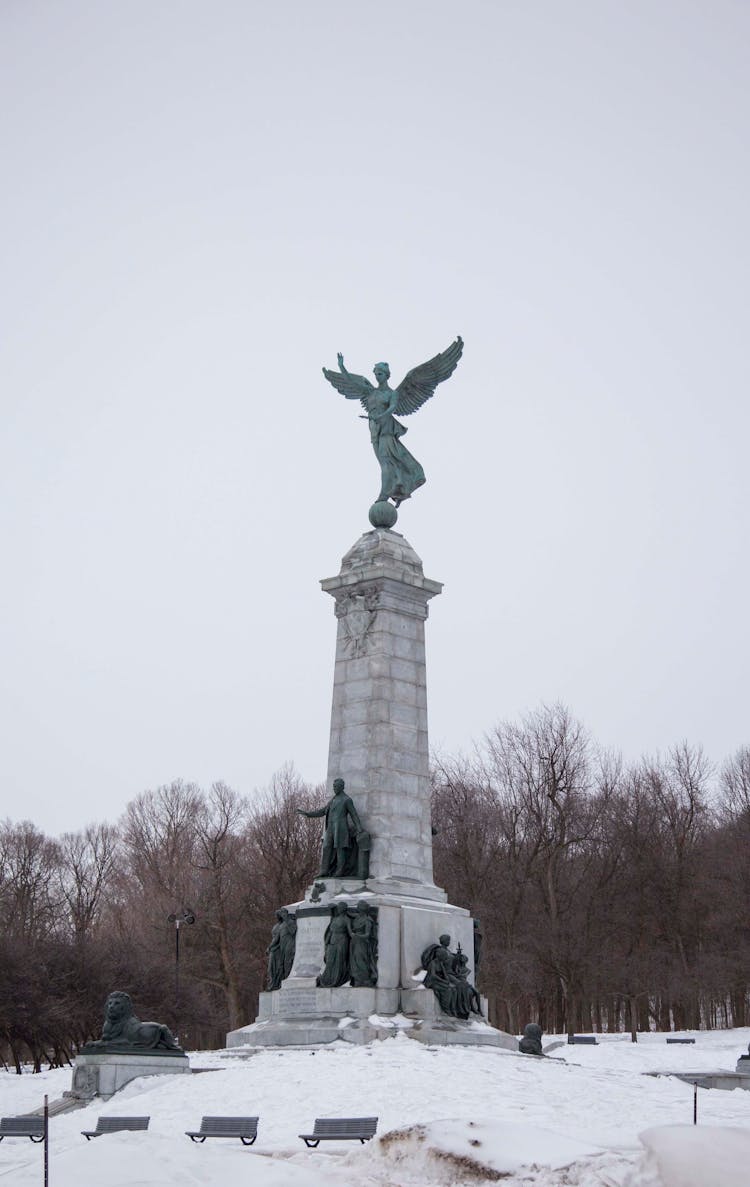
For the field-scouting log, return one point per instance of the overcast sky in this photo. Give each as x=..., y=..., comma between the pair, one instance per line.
x=201, y=203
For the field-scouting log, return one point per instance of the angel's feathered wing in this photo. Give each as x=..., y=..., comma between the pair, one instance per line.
x=421, y=381
x=354, y=387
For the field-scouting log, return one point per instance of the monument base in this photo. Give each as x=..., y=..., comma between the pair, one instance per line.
x=303, y=1014
x=104, y=1075
x=362, y=1016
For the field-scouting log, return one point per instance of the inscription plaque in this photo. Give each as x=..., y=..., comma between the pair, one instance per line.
x=298, y=1001
x=308, y=954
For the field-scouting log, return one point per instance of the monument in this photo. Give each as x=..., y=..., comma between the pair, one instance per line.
x=372, y=952
x=127, y=1049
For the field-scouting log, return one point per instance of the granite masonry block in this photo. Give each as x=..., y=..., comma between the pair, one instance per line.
x=394, y=736
x=354, y=735
x=392, y=623
x=406, y=715
x=357, y=669
x=356, y=690
x=404, y=647
x=408, y=670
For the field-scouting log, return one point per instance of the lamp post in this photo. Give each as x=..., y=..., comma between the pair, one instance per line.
x=183, y=916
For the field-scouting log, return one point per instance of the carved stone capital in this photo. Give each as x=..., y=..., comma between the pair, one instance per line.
x=357, y=611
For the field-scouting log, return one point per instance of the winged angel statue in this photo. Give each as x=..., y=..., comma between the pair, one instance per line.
x=401, y=473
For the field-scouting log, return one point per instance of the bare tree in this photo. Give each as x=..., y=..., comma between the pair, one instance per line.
x=87, y=864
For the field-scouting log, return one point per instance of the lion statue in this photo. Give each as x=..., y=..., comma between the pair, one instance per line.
x=123, y=1032
x=531, y=1043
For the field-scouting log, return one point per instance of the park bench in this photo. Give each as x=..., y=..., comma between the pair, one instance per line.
x=590, y=1039
x=115, y=1125
x=341, y=1129
x=670, y=1040
x=22, y=1127
x=244, y=1128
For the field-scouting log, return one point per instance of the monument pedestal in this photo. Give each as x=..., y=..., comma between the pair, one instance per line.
x=104, y=1075
x=379, y=746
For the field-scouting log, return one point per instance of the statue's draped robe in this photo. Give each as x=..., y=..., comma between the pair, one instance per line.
x=274, y=957
x=362, y=963
x=401, y=473
x=438, y=962
x=287, y=944
x=336, y=968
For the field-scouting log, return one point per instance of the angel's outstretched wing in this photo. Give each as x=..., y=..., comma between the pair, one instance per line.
x=421, y=381
x=354, y=387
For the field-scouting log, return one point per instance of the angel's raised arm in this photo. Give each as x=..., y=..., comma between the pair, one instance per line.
x=354, y=387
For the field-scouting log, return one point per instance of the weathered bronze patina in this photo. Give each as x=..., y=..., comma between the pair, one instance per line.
x=281, y=948
x=339, y=858
x=350, y=947
x=124, y=1034
x=336, y=950
x=531, y=1043
x=447, y=977
x=363, y=947
x=400, y=473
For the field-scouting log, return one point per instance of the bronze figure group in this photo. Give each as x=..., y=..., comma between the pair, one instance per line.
x=448, y=978
x=351, y=948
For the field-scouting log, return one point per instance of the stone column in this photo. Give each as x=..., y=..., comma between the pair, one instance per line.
x=378, y=740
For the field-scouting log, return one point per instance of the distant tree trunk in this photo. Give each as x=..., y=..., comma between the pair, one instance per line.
x=633, y=1019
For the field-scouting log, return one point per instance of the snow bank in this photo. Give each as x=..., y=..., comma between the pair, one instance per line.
x=459, y=1151
x=435, y=1101
x=693, y=1156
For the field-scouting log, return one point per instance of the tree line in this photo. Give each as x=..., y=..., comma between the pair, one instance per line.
x=610, y=896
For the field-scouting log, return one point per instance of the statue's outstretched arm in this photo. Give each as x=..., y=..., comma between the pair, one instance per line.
x=354, y=387
x=313, y=812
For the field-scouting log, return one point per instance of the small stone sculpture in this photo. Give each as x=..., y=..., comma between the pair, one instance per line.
x=363, y=947
x=400, y=473
x=336, y=950
x=531, y=1043
x=339, y=857
x=317, y=890
x=281, y=948
x=448, y=979
x=123, y=1033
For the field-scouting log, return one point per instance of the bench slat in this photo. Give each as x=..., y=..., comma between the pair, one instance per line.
x=245, y=1128
x=341, y=1129
x=22, y=1127
x=115, y=1125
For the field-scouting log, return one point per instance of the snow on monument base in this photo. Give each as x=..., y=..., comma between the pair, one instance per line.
x=301, y=1013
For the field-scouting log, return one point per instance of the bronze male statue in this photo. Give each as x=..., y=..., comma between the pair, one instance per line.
x=338, y=838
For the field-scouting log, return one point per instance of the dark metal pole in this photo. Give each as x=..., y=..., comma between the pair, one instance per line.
x=46, y=1140
x=176, y=961
x=695, y=1102
x=184, y=916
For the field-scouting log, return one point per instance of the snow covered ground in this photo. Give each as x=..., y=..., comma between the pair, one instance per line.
x=447, y=1116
